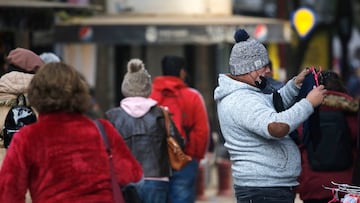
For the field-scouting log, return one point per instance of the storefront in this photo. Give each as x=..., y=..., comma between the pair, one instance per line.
x=29, y=23
x=101, y=46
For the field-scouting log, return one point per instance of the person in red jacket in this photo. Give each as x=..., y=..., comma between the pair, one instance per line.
x=62, y=157
x=190, y=117
x=311, y=188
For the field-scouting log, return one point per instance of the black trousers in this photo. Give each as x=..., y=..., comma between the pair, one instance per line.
x=264, y=194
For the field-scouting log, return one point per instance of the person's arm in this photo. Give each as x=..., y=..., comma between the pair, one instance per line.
x=257, y=115
x=198, y=132
x=13, y=173
x=315, y=96
x=291, y=89
x=298, y=81
x=281, y=129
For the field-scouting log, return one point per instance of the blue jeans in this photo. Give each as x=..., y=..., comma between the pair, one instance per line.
x=182, y=184
x=264, y=194
x=153, y=191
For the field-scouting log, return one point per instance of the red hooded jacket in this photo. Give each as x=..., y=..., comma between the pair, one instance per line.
x=194, y=126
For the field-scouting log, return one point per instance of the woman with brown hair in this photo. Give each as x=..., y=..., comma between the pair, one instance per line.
x=61, y=157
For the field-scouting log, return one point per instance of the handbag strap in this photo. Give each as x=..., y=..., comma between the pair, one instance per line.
x=167, y=121
x=115, y=187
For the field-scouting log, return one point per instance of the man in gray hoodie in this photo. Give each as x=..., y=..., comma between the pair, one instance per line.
x=265, y=160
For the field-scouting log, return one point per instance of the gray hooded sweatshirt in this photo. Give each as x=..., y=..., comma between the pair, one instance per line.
x=259, y=159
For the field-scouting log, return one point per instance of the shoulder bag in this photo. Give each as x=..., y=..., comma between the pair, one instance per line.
x=128, y=193
x=177, y=158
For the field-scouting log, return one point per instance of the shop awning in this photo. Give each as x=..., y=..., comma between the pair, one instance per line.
x=43, y=4
x=160, y=29
x=32, y=15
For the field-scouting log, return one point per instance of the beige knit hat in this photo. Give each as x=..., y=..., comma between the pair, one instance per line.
x=137, y=81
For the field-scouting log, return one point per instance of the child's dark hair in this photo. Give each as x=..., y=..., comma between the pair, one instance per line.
x=332, y=81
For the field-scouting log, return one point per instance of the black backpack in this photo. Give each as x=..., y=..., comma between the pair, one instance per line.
x=18, y=116
x=329, y=144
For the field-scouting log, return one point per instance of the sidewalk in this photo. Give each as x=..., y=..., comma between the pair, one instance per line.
x=211, y=197
x=211, y=186
x=211, y=189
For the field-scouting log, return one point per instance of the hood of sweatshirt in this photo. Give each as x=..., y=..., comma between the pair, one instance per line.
x=169, y=84
x=228, y=86
x=11, y=85
x=137, y=106
x=341, y=101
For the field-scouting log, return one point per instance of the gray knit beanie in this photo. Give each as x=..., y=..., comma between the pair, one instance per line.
x=247, y=54
x=137, y=81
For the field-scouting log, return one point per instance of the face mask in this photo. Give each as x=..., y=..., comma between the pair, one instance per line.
x=262, y=84
x=277, y=100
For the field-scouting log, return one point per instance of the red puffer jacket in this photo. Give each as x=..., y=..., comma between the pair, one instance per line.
x=195, y=126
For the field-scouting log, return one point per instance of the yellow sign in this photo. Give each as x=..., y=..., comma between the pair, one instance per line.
x=304, y=21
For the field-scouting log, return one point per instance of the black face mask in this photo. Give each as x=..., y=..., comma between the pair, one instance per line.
x=262, y=84
x=277, y=100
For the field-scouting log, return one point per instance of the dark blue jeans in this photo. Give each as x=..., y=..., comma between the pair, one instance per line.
x=182, y=184
x=264, y=194
x=154, y=191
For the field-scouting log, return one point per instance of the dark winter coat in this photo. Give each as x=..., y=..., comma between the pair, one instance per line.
x=312, y=182
x=146, y=138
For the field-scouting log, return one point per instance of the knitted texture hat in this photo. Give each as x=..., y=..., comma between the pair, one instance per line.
x=247, y=54
x=137, y=81
x=49, y=57
x=25, y=59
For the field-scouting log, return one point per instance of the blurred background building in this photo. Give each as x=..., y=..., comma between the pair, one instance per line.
x=100, y=36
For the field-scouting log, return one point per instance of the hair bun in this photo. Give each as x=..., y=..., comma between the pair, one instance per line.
x=241, y=35
x=134, y=65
